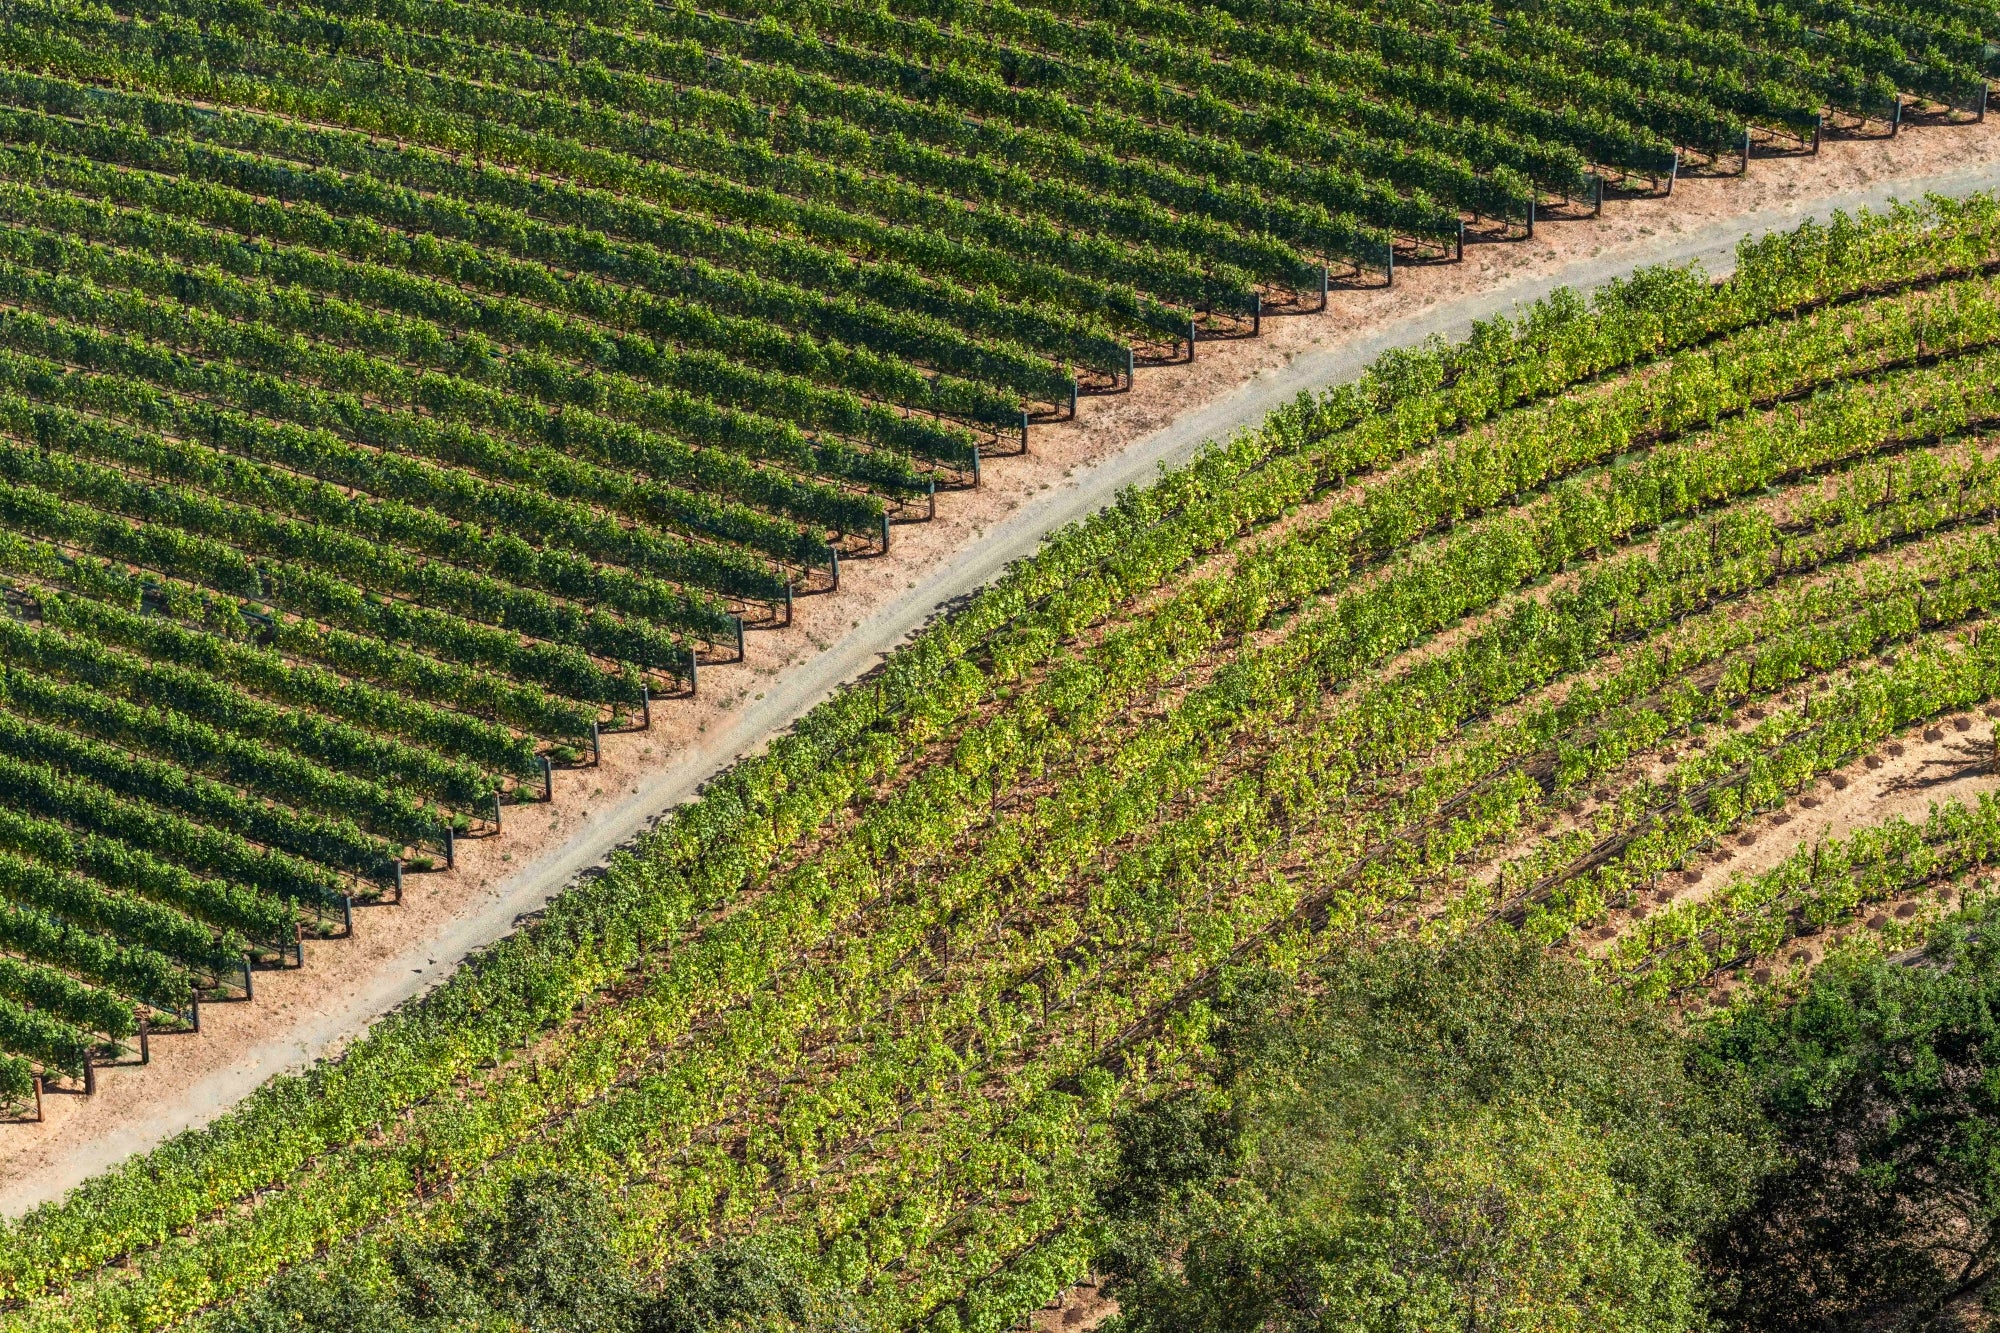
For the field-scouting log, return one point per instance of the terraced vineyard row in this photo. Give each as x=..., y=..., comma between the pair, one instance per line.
x=393, y=397
x=1473, y=639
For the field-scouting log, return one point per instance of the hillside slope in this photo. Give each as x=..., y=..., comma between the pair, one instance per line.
x=1508, y=629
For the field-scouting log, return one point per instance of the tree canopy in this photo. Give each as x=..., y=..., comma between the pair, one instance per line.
x=1883, y=1079
x=1480, y=1135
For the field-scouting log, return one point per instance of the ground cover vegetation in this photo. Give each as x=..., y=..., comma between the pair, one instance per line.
x=1510, y=632
x=394, y=396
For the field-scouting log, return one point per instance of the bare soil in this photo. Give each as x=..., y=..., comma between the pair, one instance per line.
x=1933, y=763
x=193, y=1078
x=1078, y=1310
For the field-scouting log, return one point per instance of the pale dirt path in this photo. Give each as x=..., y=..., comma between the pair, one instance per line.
x=1076, y=468
x=1937, y=762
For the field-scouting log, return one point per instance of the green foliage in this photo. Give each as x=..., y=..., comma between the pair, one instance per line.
x=739, y=1288
x=539, y=1262
x=1479, y=1135
x=1884, y=1080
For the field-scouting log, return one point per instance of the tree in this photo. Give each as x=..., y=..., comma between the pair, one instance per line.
x=747, y=1287
x=1884, y=1079
x=540, y=1263
x=1479, y=1136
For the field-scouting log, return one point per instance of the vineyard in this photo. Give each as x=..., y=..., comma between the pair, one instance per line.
x=395, y=400
x=1527, y=629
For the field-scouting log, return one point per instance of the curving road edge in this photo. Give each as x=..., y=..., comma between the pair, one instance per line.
x=802, y=687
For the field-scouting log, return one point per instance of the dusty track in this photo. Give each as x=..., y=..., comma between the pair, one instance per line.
x=1076, y=468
